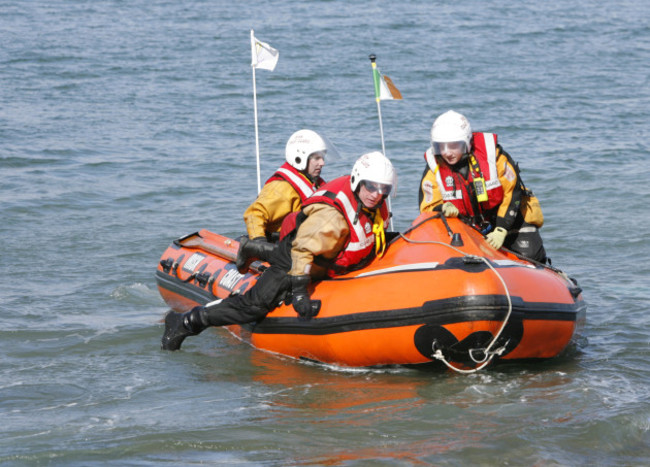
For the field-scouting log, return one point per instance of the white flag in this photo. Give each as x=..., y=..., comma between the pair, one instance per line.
x=263, y=55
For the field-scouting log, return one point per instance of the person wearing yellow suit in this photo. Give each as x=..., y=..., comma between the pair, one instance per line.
x=282, y=194
x=340, y=228
x=469, y=174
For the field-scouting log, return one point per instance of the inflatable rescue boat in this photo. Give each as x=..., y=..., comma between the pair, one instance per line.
x=439, y=292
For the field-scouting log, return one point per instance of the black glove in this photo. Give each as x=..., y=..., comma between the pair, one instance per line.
x=304, y=306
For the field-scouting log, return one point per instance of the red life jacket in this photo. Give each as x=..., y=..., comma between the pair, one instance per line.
x=297, y=180
x=358, y=250
x=454, y=188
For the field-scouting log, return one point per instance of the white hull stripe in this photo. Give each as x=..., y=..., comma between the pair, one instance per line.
x=402, y=268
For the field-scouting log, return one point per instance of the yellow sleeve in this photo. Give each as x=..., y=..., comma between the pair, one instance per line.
x=430, y=196
x=511, y=203
x=276, y=200
x=324, y=232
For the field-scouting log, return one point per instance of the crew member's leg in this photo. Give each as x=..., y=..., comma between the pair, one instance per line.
x=527, y=242
x=251, y=306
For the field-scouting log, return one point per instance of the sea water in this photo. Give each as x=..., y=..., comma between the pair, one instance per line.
x=124, y=125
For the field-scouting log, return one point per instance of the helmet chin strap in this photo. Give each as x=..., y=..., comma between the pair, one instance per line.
x=461, y=164
x=361, y=206
x=306, y=174
x=377, y=224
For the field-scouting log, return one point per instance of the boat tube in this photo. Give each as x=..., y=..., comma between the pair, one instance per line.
x=440, y=292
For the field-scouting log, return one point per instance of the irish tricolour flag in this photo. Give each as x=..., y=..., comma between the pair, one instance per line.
x=384, y=87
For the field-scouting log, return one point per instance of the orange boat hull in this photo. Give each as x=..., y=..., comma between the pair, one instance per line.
x=423, y=297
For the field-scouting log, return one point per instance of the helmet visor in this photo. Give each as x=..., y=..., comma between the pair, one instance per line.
x=330, y=152
x=452, y=146
x=382, y=188
x=318, y=154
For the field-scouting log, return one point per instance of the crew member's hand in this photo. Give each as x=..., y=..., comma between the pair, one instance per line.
x=449, y=210
x=496, y=237
x=304, y=306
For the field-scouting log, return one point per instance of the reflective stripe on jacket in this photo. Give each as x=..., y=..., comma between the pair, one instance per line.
x=453, y=187
x=358, y=249
x=281, y=195
x=303, y=186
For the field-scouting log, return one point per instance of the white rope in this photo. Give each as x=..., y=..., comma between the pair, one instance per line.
x=489, y=354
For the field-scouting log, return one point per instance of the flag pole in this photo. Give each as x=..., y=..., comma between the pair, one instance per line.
x=373, y=57
x=257, y=138
x=375, y=75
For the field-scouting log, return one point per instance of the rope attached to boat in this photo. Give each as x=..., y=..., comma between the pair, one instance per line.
x=488, y=353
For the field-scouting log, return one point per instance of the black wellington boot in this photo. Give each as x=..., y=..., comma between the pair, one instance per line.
x=178, y=326
x=250, y=250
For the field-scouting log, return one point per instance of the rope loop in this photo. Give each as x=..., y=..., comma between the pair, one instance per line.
x=488, y=352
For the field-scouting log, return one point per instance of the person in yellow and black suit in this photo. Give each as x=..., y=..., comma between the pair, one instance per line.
x=469, y=174
x=339, y=229
x=282, y=194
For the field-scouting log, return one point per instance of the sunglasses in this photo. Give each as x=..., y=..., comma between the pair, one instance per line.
x=373, y=187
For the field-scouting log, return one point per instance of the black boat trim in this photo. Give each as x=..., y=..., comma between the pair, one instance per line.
x=436, y=312
x=189, y=291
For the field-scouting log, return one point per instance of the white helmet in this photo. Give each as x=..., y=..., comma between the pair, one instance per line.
x=451, y=127
x=373, y=167
x=301, y=145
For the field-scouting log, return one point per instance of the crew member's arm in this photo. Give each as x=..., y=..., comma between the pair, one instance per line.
x=276, y=200
x=512, y=194
x=429, y=196
x=324, y=232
